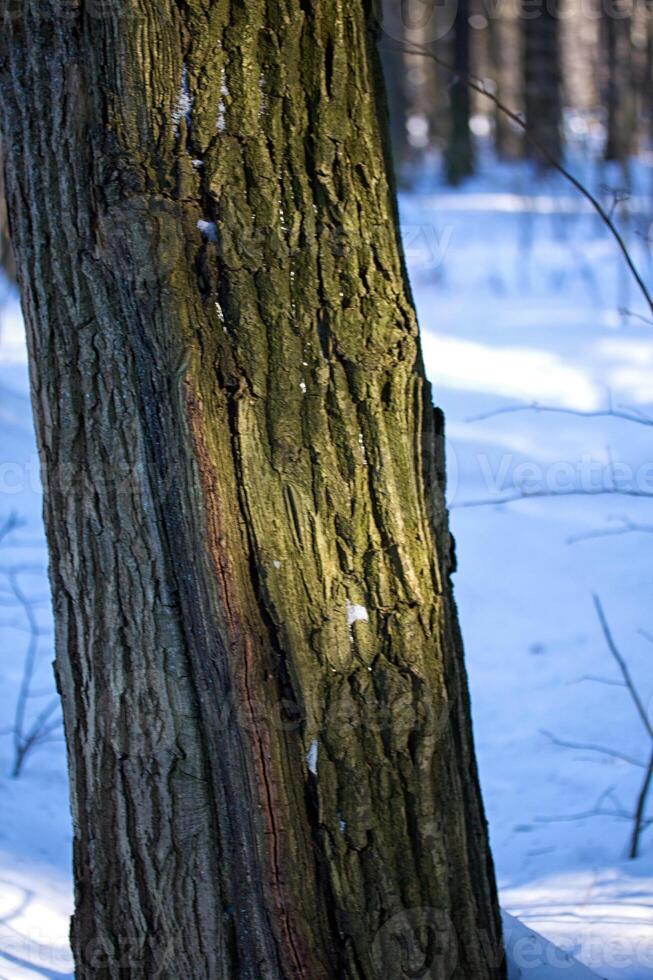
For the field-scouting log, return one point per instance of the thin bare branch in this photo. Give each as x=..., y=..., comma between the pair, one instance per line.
x=28, y=672
x=627, y=527
x=623, y=666
x=589, y=747
x=540, y=494
x=477, y=85
x=635, y=316
x=598, y=812
x=640, y=822
x=624, y=414
x=601, y=680
x=27, y=737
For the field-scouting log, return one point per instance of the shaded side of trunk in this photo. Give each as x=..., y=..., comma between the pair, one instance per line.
x=542, y=76
x=7, y=263
x=263, y=686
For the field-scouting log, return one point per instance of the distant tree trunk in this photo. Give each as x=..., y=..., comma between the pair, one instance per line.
x=394, y=71
x=6, y=252
x=262, y=676
x=542, y=76
x=643, y=82
x=460, y=148
x=647, y=73
x=504, y=41
x=618, y=94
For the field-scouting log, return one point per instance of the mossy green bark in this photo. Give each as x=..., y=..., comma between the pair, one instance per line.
x=265, y=701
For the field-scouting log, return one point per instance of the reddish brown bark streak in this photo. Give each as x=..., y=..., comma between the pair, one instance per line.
x=244, y=670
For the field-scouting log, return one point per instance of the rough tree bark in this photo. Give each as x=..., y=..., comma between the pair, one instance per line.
x=265, y=701
x=6, y=252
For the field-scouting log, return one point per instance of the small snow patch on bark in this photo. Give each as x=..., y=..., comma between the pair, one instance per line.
x=356, y=614
x=361, y=443
x=311, y=758
x=209, y=230
x=222, y=109
x=184, y=102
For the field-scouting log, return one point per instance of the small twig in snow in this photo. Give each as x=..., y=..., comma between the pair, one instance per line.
x=539, y=494
x=27, y=737
x=640, y=822
x=601, y=680
x=627, y=527
x=639, y=819
x=589, y=747
x=626, y=415
x=623, y=666
x=635, y=316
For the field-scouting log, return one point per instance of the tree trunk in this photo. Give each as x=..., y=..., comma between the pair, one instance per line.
x=618, y=93
x=459, y=156
x=7, y=264
x=542, y=76
x=265, y=701
x=504, y=49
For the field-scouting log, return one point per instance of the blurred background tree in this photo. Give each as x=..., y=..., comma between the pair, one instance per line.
x=579, y=72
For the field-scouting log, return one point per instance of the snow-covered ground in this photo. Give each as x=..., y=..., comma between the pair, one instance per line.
x=519, y=289
x=35, y=851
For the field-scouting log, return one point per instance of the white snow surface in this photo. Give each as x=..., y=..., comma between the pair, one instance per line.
x=518, y=289
x=532, y=956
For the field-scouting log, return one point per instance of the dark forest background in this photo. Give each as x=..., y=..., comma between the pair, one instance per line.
x=578, y=72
